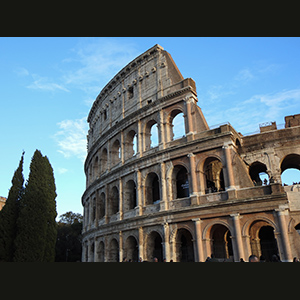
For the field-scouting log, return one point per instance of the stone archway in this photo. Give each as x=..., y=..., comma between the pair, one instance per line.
x=184, y=246
x=262, y=240
x=131, y=249
x=154, y=246
x=221, y=244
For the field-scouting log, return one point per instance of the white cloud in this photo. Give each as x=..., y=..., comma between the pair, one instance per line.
x=96, y=62
x=245, y=116
x=21, y=72
x=244, y=75
x=71, y=138
x=43, y=83
x=62, y=170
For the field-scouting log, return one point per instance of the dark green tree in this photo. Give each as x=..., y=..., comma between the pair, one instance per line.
x=68, y=244
x=36, y=226
x=9, y=215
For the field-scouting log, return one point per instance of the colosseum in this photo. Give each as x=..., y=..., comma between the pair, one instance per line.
x=152, y=192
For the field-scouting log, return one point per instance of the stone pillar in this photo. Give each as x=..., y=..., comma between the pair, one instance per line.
x=121, y=198
x=141, y=242
x=199, y=244
x=139, y=192
x=189, y=115
x=164, y=204
x=140, y=138
x=120, y=246
x=238, y=237
x=106, y=204
x=284, y=235
x=162, y=131
x=193, y=177
x=123, y=148
x=230, y=178
x=167, y=242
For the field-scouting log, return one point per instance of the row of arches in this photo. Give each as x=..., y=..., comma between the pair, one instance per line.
x=180, y=179
x=151, y=190
x=130, y=144
x=218, y=239
x=289, y=170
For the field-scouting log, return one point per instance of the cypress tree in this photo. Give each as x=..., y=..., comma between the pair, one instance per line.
x=36, y=226
x=9, y=214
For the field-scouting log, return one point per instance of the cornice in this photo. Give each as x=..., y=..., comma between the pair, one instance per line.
x=116, y=80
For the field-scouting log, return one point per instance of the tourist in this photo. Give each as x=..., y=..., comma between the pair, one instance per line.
x=253, y=258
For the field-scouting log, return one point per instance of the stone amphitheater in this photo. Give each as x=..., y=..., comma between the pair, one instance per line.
x=160, y=183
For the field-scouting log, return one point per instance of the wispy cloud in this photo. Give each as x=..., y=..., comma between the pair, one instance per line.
x=244, y=75
x=43, y=83
x=245, y=116
x=62, y=170
x=94, y=63
x=71, y=138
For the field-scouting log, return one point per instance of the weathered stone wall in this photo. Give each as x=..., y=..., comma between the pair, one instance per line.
x=181, y=199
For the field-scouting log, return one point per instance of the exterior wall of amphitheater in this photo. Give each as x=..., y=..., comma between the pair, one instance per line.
x=184, y=198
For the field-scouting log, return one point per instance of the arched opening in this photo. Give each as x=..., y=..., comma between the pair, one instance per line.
x=94, y=209
x=154, y=136
x=154, y=246
x=102, y=206
x=131, y=249
x=221, y=242
x=152, y=190
x=116, y=152
x=297, y=227
x=130, y=195
x=290, y=169
x=114, y=201
x=100, y=252
x=113, y=253
x=151, y=135
x=103, y=161
x=184, y=244
x=131, y=144
x=214, y=177
x=262, y=240
x=91, y=252
x=268, y=244
x=178, y=124
x=258, y=173
x=180, y=182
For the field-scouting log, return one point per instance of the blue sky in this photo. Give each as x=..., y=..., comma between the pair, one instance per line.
x=49, y=84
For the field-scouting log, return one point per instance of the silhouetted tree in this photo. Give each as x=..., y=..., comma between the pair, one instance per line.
x=9, y=215
x=36, y=226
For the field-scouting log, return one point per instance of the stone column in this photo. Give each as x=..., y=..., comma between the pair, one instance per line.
x=120, y=246
x=121, y=198
x=189, y=115
x=164, y=205
x=141, y=242
x=167, y=241
x=162, y=132
x=199, y=244
x=238, y=237
x=139, y=192
x=140, y=138
x=230, y=178
x=284, y=235
x=193, y=177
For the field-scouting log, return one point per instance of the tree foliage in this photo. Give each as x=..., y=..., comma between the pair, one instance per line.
x=68, y=245
x=36, y=226
x=9, y=214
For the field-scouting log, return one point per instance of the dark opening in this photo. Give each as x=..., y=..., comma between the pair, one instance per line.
x=182, y=183
x=268, y=242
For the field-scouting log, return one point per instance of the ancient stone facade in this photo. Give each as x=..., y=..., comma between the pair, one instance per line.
x=183, y=198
